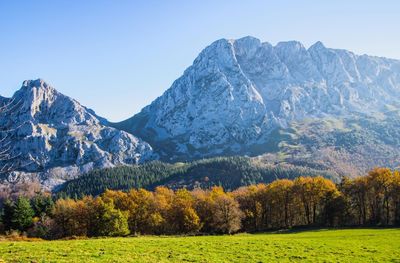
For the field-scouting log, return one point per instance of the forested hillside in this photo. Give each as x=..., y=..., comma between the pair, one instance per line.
x=228, y=172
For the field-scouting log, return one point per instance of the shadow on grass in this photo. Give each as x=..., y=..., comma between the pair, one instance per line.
x=301, y=229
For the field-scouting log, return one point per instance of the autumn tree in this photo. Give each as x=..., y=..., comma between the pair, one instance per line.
x=356, y=191
x=226, y=214
x=119, y=199
x=141, y=208
x=104, y=219
x=379, y=182
x=161, y=216
x=395, y=195
x=312, y=192
x=252, y=206
x=204, y=207
x=278, y=199
x=89, y=217
x=65, y=216
x=184, y=218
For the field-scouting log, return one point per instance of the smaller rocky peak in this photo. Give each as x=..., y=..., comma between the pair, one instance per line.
x=218, y=56
x=35, y=93
x=248, y=42
x=35, y=85
x=318, y=46
x=38, y=101
x=290, y=46
x=217, y=45
x=214, y=50
x=35, y=90
x=291, y=52
x=298, y=61
x=247, y=46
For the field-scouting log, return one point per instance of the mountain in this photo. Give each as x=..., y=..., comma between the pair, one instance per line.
x=301, y=105
x=52, y=138
x=323, y=109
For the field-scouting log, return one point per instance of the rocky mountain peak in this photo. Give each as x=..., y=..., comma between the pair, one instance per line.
x=35, y=92
x=317, y=46
x=55, y=138
x=238, y=91
x=37, y=83
x=38, y=101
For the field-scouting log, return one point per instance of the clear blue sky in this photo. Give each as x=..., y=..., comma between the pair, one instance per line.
x=117, y=56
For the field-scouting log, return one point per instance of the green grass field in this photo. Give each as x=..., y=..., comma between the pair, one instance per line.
x=357, y=245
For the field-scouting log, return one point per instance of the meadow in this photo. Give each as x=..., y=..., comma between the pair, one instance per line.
x=347, y=245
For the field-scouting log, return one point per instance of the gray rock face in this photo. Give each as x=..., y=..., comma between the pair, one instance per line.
x=53, y=138
x=238, y=91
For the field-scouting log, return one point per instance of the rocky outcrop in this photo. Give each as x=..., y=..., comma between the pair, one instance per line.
x=53, y=138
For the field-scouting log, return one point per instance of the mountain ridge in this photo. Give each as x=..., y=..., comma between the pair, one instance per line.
x=328, y=109
x=239, y=91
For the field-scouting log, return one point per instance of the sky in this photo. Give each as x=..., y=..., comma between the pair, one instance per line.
x=115, y=57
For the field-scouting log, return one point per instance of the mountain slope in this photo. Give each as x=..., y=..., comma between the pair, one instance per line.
x=239, y=94
x=52, y=138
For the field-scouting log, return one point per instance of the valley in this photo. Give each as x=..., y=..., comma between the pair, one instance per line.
x=199, y=131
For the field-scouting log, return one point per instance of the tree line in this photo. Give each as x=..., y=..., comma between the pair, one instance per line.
x=372, y=200
x=228, y=172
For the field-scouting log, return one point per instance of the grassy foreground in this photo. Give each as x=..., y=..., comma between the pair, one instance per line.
x=356, y=245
